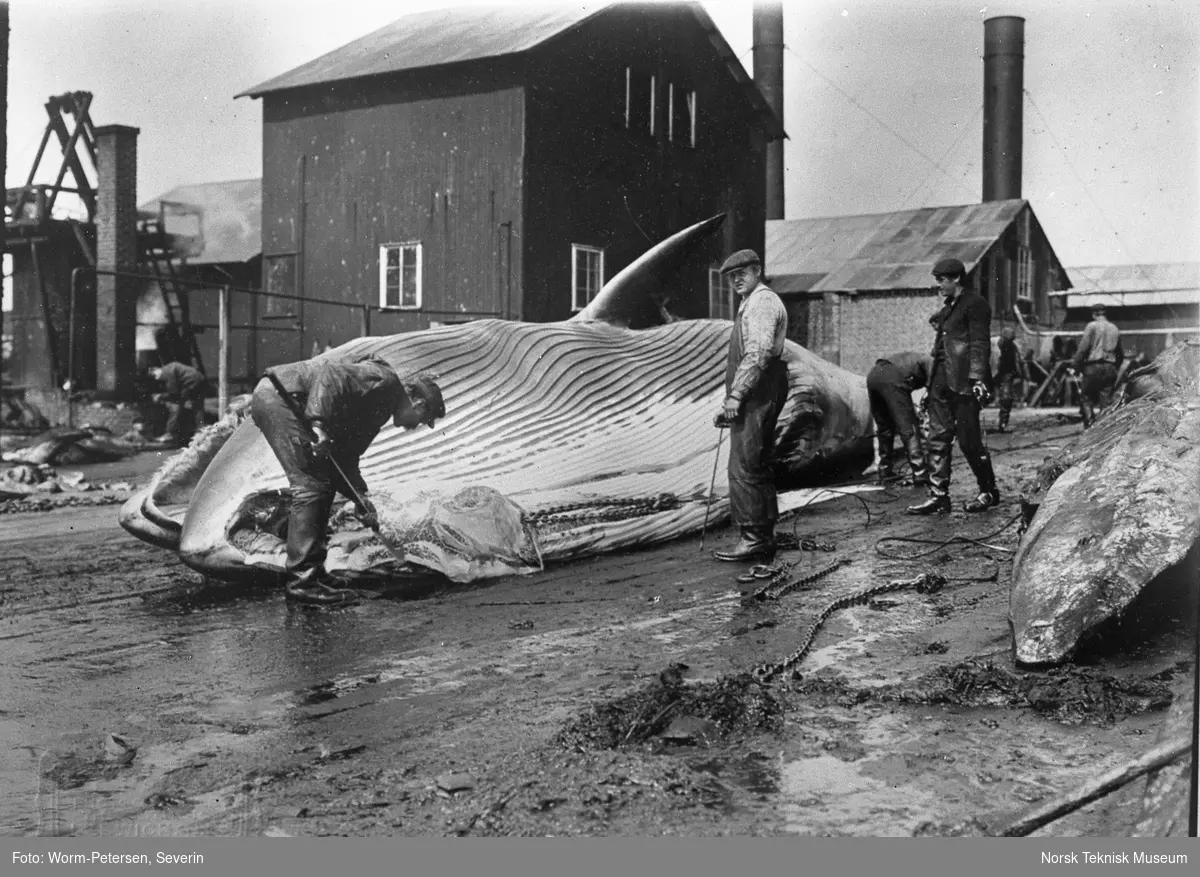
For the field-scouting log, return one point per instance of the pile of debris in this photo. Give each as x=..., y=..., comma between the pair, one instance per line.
x=33, y=481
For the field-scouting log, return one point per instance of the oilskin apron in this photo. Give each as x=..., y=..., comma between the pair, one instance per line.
x=752, y=498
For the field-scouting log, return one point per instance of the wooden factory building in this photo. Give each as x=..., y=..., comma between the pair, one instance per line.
x=504, y=162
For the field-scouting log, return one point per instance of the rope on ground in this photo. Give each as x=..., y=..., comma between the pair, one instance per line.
x=796, y=512
x=939, y=544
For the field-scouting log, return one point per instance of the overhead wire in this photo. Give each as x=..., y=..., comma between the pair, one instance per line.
x=953, y=147
x=853, y=100
x=1087, y=190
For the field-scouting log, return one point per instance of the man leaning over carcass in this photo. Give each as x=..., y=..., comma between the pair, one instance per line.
x=339, y=408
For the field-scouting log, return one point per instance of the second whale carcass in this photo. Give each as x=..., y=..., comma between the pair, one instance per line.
x=561, y=440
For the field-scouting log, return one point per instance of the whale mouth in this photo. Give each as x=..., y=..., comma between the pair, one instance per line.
x=474, y=532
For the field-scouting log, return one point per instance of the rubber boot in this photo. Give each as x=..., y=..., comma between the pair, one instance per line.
x=989, y=494
x=916, y=460
x=757, y=543
x=935, y=505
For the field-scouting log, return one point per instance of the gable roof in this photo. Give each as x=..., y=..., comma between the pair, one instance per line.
x=231, y=219
x=1131, y=285
x=883, y=250
x=471, y=33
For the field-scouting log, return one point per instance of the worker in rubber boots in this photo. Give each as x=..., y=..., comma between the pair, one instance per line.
x=756, y=386
x=958, y=390
x=890, y=385
x=184, y=389
x=1010, y=368
x=1098, y=357
x=342, y=406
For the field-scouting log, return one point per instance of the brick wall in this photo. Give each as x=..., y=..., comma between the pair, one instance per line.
x=116, y=247
x=853, y=330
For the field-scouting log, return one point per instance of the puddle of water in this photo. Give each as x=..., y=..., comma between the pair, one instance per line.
x=821, y=795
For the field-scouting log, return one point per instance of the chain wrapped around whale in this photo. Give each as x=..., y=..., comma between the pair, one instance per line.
x=602, y=510
x=926, y=583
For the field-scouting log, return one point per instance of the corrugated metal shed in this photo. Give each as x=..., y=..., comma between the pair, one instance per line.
x=1131, y=285
x=232, y=219
x=472, y=33
x=881, y=251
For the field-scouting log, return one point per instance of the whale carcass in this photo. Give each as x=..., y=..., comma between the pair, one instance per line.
x=1122, y=505
x=561, y=440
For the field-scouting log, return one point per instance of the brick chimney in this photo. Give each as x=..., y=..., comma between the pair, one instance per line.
x=116, y=248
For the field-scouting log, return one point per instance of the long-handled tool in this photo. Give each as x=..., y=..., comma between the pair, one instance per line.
x=712, y=486
x=358, y=498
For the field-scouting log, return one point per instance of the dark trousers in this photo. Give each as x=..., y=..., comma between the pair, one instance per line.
x=954, y=415
x=893, y=412
x=1095, y=390
x=1004, y=396
x=182, y=417
x=752, y=499
x=312, y=480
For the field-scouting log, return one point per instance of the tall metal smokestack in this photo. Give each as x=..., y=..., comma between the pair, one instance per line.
x=768, y=76
x=1003, y=106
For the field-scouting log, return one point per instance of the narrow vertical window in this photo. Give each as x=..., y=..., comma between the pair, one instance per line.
x=691, y=100
x=400, y=276
x=1024, y=273
x=653, y=108
x=628, y=95
x=587, y=274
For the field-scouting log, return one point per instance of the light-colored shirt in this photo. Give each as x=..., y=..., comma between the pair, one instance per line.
x=763, y=319
x=1100, y=342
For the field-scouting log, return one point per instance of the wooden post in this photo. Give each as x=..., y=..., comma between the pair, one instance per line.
x=223, y=351
x=365, y=321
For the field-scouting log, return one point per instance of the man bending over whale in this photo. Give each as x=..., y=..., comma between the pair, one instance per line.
x=343, y=406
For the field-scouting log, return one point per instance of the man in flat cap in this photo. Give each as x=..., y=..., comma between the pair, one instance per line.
x=1098, y=357
x=345, y=404
x=958, y=389
x=1010, y=368
x=756, y=385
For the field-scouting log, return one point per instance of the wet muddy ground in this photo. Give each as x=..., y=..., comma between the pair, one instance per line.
x=606, y=696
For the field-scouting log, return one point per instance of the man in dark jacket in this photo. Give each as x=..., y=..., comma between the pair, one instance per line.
x=890, y=385
x=1009, y=369
x=958, y=388
x=345, y=405
x=756, y=385
x=184, y=389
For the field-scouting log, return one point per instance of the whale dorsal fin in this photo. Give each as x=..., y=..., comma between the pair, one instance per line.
x=626, y=296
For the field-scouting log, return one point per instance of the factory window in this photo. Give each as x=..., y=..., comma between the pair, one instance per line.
x=587, y=274
x=1024, y=274
x=400, y=276
x=721, y=296
x=681, y=115
x=639, y=100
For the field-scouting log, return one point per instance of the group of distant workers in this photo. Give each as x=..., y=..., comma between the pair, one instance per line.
x=956, y=376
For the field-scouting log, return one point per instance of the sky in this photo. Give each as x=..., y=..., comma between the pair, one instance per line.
x=882, y=101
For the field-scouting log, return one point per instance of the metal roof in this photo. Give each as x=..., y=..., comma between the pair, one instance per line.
x=471, y=33
x=1144, y=278
x=883, y=250
x=232, y=219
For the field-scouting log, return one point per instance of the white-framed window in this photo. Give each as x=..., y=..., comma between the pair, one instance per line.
x=587, y=274
x=681, y=114
x=400, y=276
x=722, y=303
x=1024, y=273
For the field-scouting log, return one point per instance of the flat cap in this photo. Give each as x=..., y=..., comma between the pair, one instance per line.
x=424, y=388
x=1099, y=309
x=740, y=259
x=949, y=268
